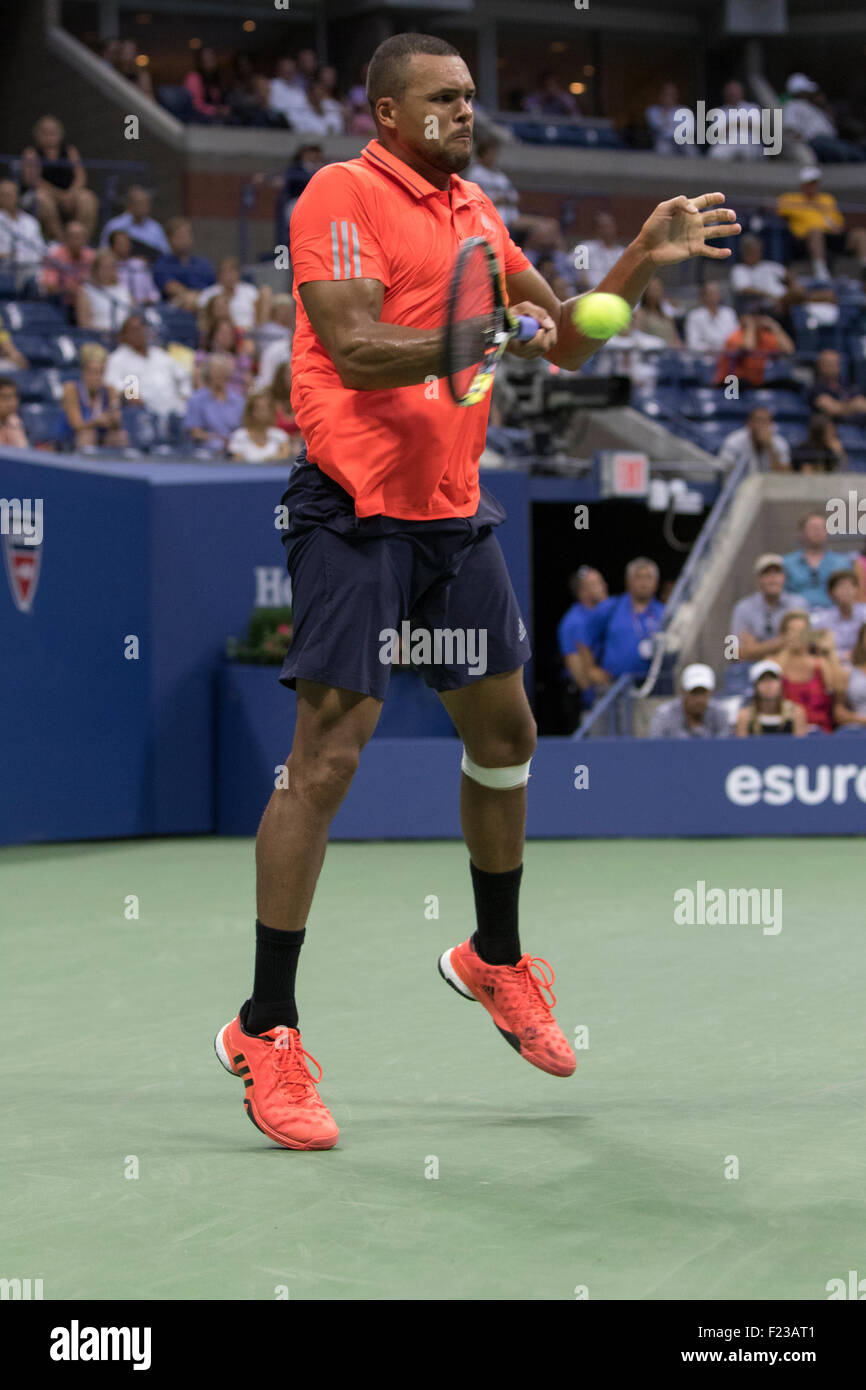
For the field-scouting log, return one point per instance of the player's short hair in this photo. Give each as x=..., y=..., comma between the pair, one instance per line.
x=387, y=73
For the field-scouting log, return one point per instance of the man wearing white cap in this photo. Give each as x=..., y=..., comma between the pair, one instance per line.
x=814, y=220
x=694, y=714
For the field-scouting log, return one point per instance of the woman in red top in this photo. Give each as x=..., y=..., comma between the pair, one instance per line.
x=205, y=86
x=808, y=679
x=280, y=394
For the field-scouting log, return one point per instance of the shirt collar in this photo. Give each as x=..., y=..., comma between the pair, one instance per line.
x=378, y=157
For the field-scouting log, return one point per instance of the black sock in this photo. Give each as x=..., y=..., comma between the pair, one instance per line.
x=273, y=998
x=496, y=940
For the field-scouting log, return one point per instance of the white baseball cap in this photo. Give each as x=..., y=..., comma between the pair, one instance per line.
x=799, y=82
x=764, y=668
x=810, y=173
x=698, y=677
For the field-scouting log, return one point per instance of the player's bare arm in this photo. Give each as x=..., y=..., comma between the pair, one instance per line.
x=677, y=230
x=369, y=355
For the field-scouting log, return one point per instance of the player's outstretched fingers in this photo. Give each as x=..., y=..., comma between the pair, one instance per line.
x=707, y=200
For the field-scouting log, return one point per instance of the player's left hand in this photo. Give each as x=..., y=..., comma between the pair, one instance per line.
x=545, y=338
x=682, y=227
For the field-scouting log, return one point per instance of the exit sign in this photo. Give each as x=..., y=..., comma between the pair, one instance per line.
x=624, y=474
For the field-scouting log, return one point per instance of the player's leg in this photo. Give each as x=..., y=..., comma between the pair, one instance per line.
x=331, y=730
x=492, y=715
x=497, y=728
x=263, y=1044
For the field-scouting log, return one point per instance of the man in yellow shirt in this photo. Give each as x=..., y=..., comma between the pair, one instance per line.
x=814, y=220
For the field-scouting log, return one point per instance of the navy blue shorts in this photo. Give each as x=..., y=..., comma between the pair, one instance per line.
x=359, y=583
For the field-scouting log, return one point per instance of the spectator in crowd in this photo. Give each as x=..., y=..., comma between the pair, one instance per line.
x=768, y=712
x=742, y=125
x=92, y=409
x=305, y=161
x=12, y=435
x=622, y=628
x=274, y=339
x=10, y=358
x=63, y=177
x=808, y=569
x=602, y=252
x=822, y=450
x=655, y=314
x=146, y=375
x=582, y=673
x=216, y=309
x=804, y=119
x=21, y=238
x=828, y=393
x=544, y=241
x=258, y=440
x=280, y=393
x=307, y=67
x=816, y=224
x=248, y=96
x=711, y=323
x=551, y=98
x=758, y=284
x=249, y=305
x=128, y=66
x=223, y=339
x=810, y=677
x=747, y=351
x=181, y=275
x=759, y=442
x=497, y=185
x=756, y=621
x=808, y=116
x=859, y=567
x=849, y=709
x=145, y=233
x=205, y=86
x=359, y=121
x=321, y=114
x=214, y=412
x=102, y=302
x=36, y=197
x=132, y=271
x=665, y=118
x=844, y=616
x=68, y=264
x=287, y=96
x=695, y=714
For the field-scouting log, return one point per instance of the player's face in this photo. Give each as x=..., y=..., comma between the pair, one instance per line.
x=441, y=88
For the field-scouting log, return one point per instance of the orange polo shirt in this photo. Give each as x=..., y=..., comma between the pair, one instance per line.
x=407, y=451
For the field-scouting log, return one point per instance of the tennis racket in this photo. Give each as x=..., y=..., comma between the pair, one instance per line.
x=479, y=326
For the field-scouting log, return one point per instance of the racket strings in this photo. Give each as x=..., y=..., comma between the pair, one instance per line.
x=474, y=321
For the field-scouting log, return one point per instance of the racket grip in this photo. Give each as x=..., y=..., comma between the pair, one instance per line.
x=526, y=328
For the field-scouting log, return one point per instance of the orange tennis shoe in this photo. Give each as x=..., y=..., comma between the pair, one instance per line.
x=280, y=1094
x=514, y=996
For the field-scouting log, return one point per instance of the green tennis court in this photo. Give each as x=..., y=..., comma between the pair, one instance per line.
x=705, y=1043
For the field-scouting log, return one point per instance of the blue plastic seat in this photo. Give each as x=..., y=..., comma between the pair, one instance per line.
x=42, y=423
x=32, y=316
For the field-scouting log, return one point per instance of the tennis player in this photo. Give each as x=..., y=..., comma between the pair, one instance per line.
x=387, y=521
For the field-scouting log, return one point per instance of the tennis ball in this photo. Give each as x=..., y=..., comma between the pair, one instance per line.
x=601, y=315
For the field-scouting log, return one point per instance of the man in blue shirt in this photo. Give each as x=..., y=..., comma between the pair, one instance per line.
x=180, y=275
x=808, y=569
x=214, y=412
x=622, y=628
x=144, y=231
x=590, y=589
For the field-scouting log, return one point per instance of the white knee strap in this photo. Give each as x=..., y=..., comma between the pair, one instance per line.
x=500, y=778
